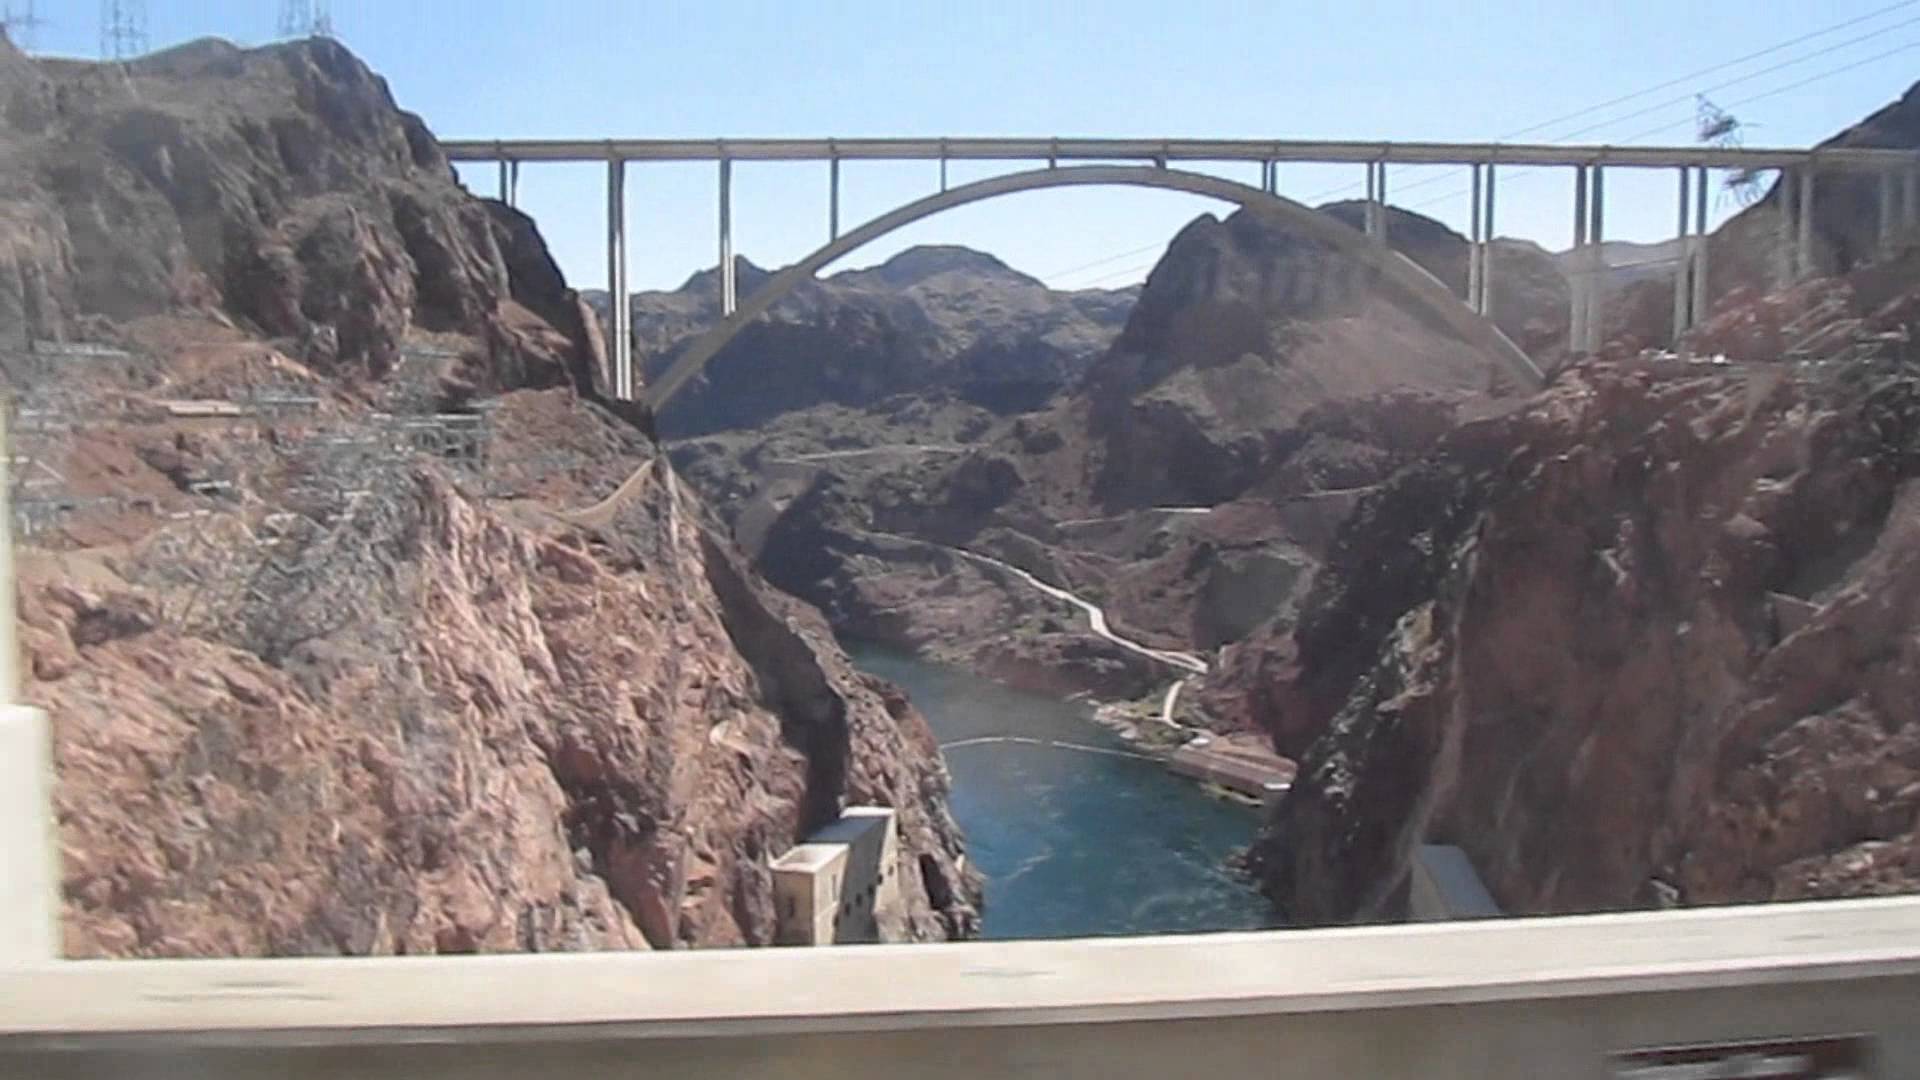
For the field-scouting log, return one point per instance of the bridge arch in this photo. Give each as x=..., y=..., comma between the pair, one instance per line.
x=1395, y=267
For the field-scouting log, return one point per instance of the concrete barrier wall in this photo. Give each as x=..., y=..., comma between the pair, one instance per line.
x=1519, y=997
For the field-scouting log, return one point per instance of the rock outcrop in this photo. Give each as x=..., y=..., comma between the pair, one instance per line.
x=1188, y=482
x=1244, y=327
x=278, y=188
x=1648, y=640
x=481, y=730
x=331, y=671
x=931, y=320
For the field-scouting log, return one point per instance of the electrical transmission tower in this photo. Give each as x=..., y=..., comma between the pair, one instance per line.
x=18, y=22
x=123, y=29
x=305, y=18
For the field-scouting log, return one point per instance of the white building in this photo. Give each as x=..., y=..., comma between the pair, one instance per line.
x=842, y=884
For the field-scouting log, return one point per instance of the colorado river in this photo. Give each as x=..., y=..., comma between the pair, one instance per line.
x=1075, y=841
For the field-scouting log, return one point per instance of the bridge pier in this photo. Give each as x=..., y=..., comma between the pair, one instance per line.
x=1699, y=313
x=619, y=316
x=833, y=199
x=727, y=293
x=1366, y=212
x=1683, y=266
x=1577, y=280
x=1784, y=239
x=1909, y=201
x=1475, y=246
x=1803, y=247
x=1884, y=233
x=1375, y=217
x=1487, y=234
x=1596, y=316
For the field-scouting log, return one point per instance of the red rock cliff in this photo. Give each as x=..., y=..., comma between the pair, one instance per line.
x=1651, y=639
x=318, y=686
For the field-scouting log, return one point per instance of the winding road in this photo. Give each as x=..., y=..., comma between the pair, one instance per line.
x=1097, y=621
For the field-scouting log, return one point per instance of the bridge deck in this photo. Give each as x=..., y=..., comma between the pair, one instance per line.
x=1262, y=150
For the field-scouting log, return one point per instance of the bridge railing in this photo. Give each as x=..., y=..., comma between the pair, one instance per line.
x=1568, y=997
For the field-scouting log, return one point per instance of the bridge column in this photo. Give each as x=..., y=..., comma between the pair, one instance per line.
x=1683, y=267
x=513, y=184
x=1475, y=246
x=1700, y=247
x=506, y=194
x=1595, y=319
x=620, y=345
x=1375, y=217
x=727, y=297
x=1577, y=281
x=1486, y=253
x=1909, y=202
x=1803, y=247
x=1784, y=237
x=1366, y=213
x=1883, y=235
x=1381, y=190
x=833, y=199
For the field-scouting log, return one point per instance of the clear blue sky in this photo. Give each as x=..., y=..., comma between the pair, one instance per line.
x=1150, y=68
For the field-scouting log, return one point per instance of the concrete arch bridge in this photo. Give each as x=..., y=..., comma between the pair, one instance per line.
x=1148, y=163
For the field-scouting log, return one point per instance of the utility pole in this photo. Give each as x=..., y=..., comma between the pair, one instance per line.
x=123, y=29
x=306, y=18
x=18, y=22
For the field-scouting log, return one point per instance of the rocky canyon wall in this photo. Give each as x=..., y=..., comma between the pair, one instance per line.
x=1646, y=641
x=324, y=675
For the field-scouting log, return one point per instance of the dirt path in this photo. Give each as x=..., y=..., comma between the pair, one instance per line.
x=1097, y=621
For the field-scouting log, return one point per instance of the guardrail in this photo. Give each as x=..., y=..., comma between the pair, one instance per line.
x=1566, y=997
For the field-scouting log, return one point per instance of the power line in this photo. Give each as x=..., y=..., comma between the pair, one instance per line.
x=1769, y=50
x=123, y=29
x=18, y=22
x=1125, y=271
x=1101, y=262
x=1535, y=171
x=312, y=18
x=1658, y=128
x=1589, y=110
x=1688, y=97
x=1778, y=90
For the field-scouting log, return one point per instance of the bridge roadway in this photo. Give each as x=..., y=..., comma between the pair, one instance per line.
x=1351, y=151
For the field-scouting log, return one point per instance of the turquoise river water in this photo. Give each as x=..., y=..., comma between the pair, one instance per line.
x=1076, y=842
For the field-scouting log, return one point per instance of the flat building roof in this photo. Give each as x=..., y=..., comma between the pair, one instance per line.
x=852, y=826
x=810, y=856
